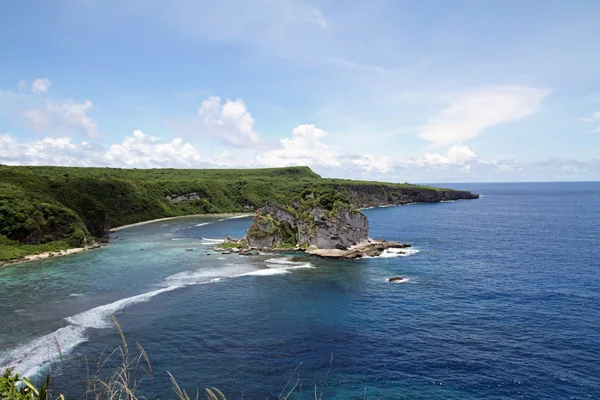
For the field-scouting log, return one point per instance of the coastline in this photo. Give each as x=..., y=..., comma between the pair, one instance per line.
x=151, y=221
x=75, y=250
x=48, y=254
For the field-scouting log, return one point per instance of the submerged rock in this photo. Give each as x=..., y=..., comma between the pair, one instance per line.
x=396, y=279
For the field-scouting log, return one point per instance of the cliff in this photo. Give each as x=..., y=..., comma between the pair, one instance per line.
x=278, y=226
x=323, y=223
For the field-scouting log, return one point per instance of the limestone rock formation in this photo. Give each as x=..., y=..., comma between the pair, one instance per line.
x=309, y=222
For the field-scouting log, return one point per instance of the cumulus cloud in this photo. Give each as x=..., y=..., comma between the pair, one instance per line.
x=47, y=116
x=457, y=154
x=139, y=150
x=62, y=116
x=142, y=150
x=41, y=86
x=229, y=121
x=474, y=112
x=370, y=163
x=303, y=148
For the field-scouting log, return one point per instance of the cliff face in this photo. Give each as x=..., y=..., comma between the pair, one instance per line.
x=276, y=225
x=377, y=195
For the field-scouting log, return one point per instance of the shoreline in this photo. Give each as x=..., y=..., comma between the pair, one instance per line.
x=48, y=254
x=75, y=250
x=151, y=221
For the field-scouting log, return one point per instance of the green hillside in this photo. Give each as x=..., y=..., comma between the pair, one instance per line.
x=48, y=208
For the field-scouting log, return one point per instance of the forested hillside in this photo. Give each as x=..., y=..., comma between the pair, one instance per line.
x=47, y=208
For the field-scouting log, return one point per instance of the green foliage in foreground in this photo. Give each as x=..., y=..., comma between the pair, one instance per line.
x=53, y=208
x=15, y=387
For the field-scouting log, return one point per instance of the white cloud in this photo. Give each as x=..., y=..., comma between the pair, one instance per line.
x=303, y=148
x=142, y=150
x=370, y=163
x=48, y=116
x=595, y=118
x=139, y=150
x=61, y=116
x=41, y=86
x=229, y=121
x=474, y=112
x=456, y=154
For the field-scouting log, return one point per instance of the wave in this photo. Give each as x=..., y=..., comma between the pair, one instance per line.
x=284, y=260
x=27, y=359
x=240, y=216
x=99, y=317
x=76, y=295
x=212, y=240
x=204, y=223
x=301, y=266
x=267, y=272
x=391, y=253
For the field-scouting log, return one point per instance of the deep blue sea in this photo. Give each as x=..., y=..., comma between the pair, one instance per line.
x=502, y=301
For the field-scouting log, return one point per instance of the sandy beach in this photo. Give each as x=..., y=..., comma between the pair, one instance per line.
x=118, y=228
x=48, y=254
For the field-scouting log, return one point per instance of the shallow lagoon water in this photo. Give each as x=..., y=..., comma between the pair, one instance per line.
x=502, y=301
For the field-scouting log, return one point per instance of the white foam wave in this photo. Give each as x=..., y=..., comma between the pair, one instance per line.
x=179, y=238
x=284, y=260
x=222, y=219
x=204, y=223
x=27, y=358
x=207, y=275
x=240, y=216
x=76, y=295
x=99, y=317
x=391, y=253
x=301, y=266
x=221, y=258
x=267, y=272
x=213, y=241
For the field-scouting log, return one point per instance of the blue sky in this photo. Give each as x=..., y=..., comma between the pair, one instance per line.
x=426, y=91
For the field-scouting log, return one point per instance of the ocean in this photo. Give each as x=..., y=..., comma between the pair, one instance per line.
x=501, y=301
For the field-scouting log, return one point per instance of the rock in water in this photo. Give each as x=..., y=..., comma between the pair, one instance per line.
x=326, y=221
x=321, y=222
x=395, y=279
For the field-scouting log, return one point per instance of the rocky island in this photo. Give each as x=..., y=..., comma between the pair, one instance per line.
x=324, y=223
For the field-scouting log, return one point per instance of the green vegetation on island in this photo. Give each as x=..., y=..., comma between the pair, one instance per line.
x=52, y=208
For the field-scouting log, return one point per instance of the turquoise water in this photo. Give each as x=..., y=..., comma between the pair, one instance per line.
x=502, y=301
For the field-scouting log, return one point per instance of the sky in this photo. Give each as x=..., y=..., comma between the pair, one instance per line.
x=390, y=90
